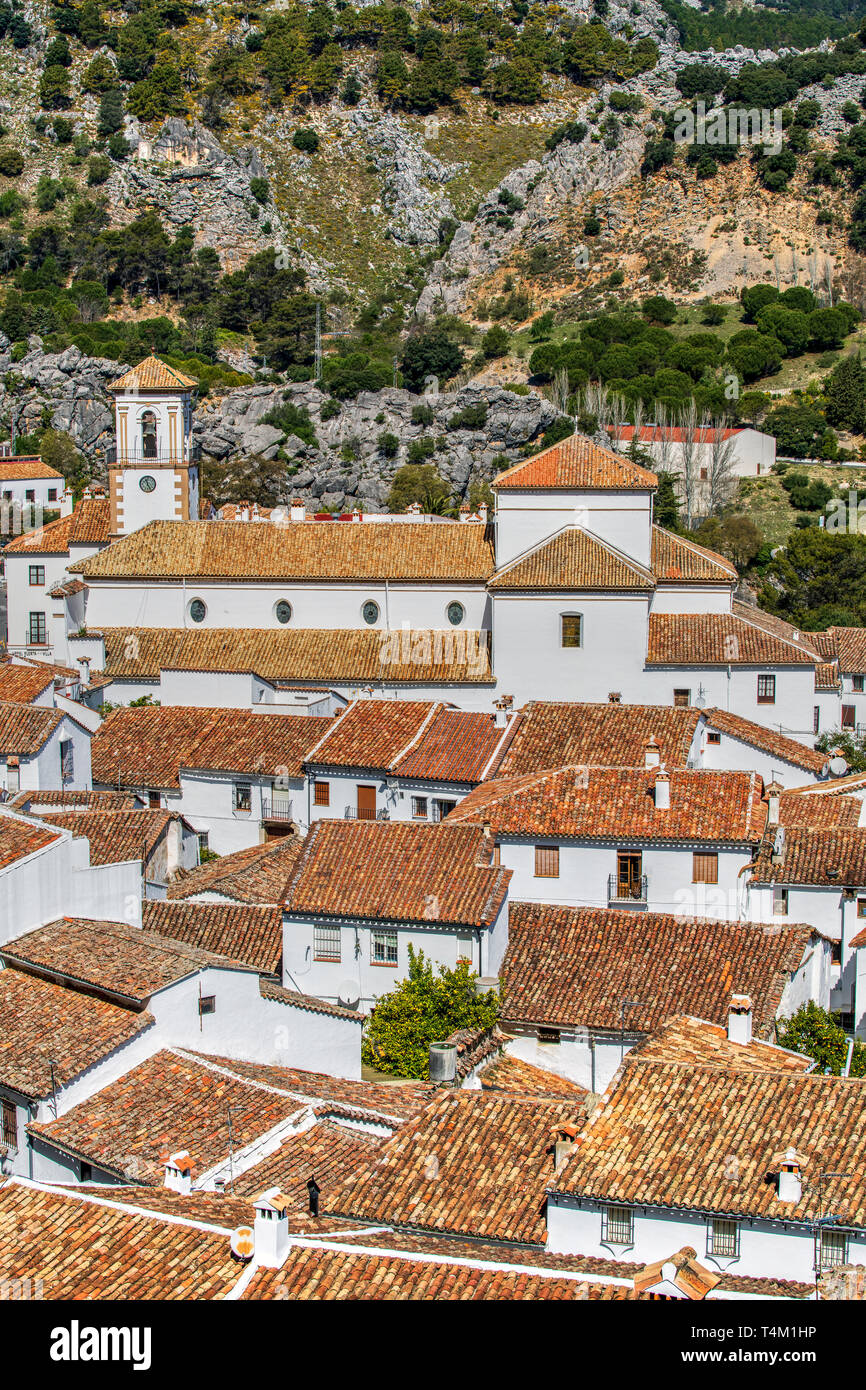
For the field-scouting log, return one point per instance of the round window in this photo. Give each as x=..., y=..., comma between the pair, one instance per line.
x=147, y=483
x=198, y=610
x=370, y=612
x=456, y=614
x=283, y=612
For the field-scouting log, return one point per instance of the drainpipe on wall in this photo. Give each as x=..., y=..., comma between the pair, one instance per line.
x=729, y=685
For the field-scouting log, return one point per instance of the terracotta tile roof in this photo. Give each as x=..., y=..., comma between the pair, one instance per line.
x=472, y=1163
x=299, y=551
x=67, y=589
x=259, y=874
x=269, y=989
x=553, y=735
x=91, y=522
x=42, y=1023
x=820, y=812
x=577, y=463
x=666, y=1135
x=456, y=746
x=827, y=675
x=79, y=1243
x=253, y=935
x=419, y=657
x=153, y=375
x=19, y=838
x=592, y=803
x=824, y=857
x=371, y=733
x=695, y=1042
x=424, y=1242
x=858, y=940
x=570, y=561
x=171, y=1101
x=147, y=746
x=572, y=966
x=54, y=800
x=26, y=466
x=329, y=1152
x=722, y=639
x=521, y=1078
x=682, y=1270
x=110, y=957
x=24, y=729
x=333, y=1274
x=676, y=560
x=21, y=684
x=786, y=750
x=653, y=433
x=51, y=539
x=115, y=837
x=846, y=644
x=388, y=1103
x=400, y=871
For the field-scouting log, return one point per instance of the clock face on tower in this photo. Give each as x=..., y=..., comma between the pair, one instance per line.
x=147, y=483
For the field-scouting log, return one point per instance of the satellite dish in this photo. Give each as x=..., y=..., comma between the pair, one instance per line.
x=243, y=1243
x=838, y=766
x=348, y=995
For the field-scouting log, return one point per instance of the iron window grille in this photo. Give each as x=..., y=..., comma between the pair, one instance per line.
x=326, y=943
x=617, y=1226
x=723, y=1238
x=384, y=947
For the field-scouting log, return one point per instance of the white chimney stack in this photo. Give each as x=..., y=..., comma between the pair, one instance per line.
x=790, y=1183
x=652, y=753
x=297, y=511
x=178, y=1172
x=663, y=790
x=272, y=1228
x=773, y=793
x=740, y=1019
x=66, y=502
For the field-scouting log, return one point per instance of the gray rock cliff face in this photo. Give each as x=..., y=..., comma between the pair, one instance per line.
x=346, y=467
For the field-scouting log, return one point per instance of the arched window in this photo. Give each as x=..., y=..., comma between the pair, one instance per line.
x=148, y=435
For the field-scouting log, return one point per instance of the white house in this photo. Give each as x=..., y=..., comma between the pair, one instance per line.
x=581, y=986
x=745, y=452
x=42, y=749
x=29, y=486
x=741, y=1165
x=363, y=892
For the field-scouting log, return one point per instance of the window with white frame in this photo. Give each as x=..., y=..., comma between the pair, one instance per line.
x=723, y=1238
x=384, y=947
x=326, y=943
x=617, y=1226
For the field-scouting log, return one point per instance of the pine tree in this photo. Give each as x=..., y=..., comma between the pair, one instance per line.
x=846, y=395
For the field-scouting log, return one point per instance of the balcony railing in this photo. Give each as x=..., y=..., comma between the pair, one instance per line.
x=139, y=459
x=276, y=810
x=352, y=813
x=626, y=894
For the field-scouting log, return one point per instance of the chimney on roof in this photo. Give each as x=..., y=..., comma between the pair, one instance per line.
x=652, y=753
x=413, y=509
x=614, y=697
x=564, y=1137
x=501, y=707
x=482, y=512
x=790, y=1180
x=465, y=512
x=662, y=790
x=485, y=826
x=178, y=1172
x=271, y=1228
x=773, y=794
x=66, y=502
x=740, y=1019
x=297, y=510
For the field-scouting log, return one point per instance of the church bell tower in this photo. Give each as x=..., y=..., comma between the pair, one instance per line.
x=153, y=475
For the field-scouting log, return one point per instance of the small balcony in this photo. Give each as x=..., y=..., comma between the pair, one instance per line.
x=277, y=810
x=352, y=813
x=632, y=894
x=138, y=458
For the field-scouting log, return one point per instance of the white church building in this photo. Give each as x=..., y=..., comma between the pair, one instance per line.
x=568, y=592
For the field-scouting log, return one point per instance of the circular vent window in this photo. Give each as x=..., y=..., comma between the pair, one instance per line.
x=283, y=612
x=456, y=614
x=370, y=612
x=198, y=610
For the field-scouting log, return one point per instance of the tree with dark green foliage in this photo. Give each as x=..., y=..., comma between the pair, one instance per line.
x=755, y=298
x=797, y=429
x=657, y=154
x=666, y=508
x=431, y=352
x=305, y=140
x=426, y=1007
x=658, y=309
x=845, y=389
x=110, y=112
x=828, y=328
x=816, y=1033
x=755, y=354
x=815, y=568
x=420, y=483
x=54, y=88
x=789, y=326
x=11, y=163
